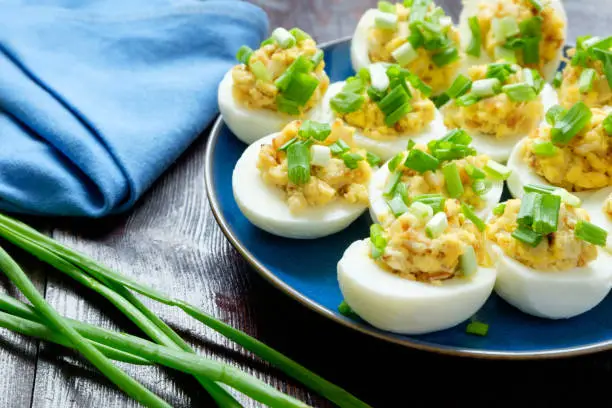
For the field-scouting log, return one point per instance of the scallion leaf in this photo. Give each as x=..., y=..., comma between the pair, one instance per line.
x=435, y=201
x=404, y=54
x=585, y=82
x=554, y=113
x=345, y=310
x=527, y=236
x=531, y=50
x=557, y=80
x=397, y=205
x=391, y=183
x=533, y=79
x=544, y=149
x=446, y=56
x=317, y=58
x=499, y=209
x=316, y=130
x=373, y=159
x=420, y=161
x=452, y=180
x=546, y=218
x=476, y=39
x=504, y=27
x=260, y=71
x=346, y=102
x=386, y=7
x=378, y=241
x=339, y=147
x=287, y=144
x=418, y=10
x=571, y=123
x=301, y=88
x=398, y=114
x=607, y=124
x=468, y=262
x=520, y=92
x=298, y=163
x=486, y=87
x=536, y=4
x=244, y=54
x=410, y=145
x=460, y=86
x=440, y=100
x=591, y=233
x=497, y=171
x=531, y=27
x=301, y=65
x=471, y=215
x=286, y=105
x=299, y=34
x=477, y=328
x=436, y=225
x=351, y=160
x=395, y=161
x=481, y=186
x=538, y=188
x=421, y=211
x=467, y=100
x=529, y=203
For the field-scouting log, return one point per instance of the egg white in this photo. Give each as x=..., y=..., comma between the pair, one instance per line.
x=553, y=294
x=250, y=125
x=500, y=149
x=379, y=209
x=470, y=8
x=385, y=149
x=399, y=305
x=360, y=57
x=265, y=206
x=594, y=206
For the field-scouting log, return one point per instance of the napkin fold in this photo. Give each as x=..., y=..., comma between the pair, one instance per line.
x=99, y=97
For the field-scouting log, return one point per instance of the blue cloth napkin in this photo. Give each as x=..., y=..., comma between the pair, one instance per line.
x=99, y=97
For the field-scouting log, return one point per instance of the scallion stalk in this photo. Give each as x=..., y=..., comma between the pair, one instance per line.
x=554, y=113
x=404, y=54
x=527, y=236
x=471, y=215
x=460, y=86
x=435, y=201
x=546, y=217
x=497, y=171
x=486, y=87
x=468, y=262
x=436, y=225
x=477, y=328
x=571, y=123
x=521, y=92
x=421, y=161
x=452, y=180
x=386, y=21
x=283, y=38
x=591, y=233
x=298, y=163
x=529, y=203
x=499, y=209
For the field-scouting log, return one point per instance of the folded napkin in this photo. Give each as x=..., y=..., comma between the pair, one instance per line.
x=99, y=97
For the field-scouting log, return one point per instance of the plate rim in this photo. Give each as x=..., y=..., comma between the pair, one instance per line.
x=364, y=327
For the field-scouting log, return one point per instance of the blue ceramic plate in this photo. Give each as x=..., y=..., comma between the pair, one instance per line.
x=291, y=266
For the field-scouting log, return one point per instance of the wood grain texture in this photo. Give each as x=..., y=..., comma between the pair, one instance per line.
x=171, y=241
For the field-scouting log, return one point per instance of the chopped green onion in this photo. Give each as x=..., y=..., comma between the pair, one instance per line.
x=443, y=150
x=287, y=144
x=386, y=21
x=544, y=149
x=286, y=105
x=527, y=236
x=481, y=186
x=585, y=82
x=418, y=10
x=283, y=38
x=375, y=95
x=502, y=53
x=345, y=310
x=320, y=155
x=486, y=87
x=398, y=114
x=520, y=92
x=440, y=100
x=386, y=7
x=460, y=86
x=531, y=50
x=391, y=184
x=395, y=161
x=301, y=65
x=500, y=71
x=402, y=190
x=476, y=39
x=267, y=41
x=538, y=188
x=570, y=124
x=503, y=28
x=397, y=205
x=532, y=27
x=452, y=180
x=567, y=197
x=446, y=56
x=436, y=225
x=317, y=58
x=378, y=77
x=499, y=209
x=420, y=161
x=435, y=201
x=346, y=102
x=364, y=74
x=457, y=136
x=316, y=130
x=477, y=328
x=536, y=4
x=378, y=241
x=394, y=101
x=533, y=79
x=554, y=113
x=354, y=85
x=474, y=172
x=260, y=71
x=605, y=57
x=339, y=147
x=351, y=160
x=471, y=215
x=557, y=80
x=373, y=159
x=299, y=34
x=301, y=88
x=467, y=100
x=529, y=203
x=497, y=171
x=417, y=83
x=244, y=54
x=546, y=218
x=298, y=163
x=607, y=124
x=468, y=263
x=404, y=54
x=410, y=145
x=591, y=233
x=421, y=211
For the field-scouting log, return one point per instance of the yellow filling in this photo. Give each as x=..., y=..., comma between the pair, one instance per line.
x=585, y=163
x=411, y=254
x=558, y=251
x=259, y=94
x=371, y=120
x=332, y=182
x=569, y=92
x=382, y=42
x=553, y=26
x=498, y=115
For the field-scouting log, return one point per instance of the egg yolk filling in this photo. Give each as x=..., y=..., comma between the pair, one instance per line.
x=286, y=77
x=510, y=105
x=420, y=38
x=315, y=164
x=555, y=251
x=394, y=109
x=584, y=163
x=517, y=29
x=414, y=251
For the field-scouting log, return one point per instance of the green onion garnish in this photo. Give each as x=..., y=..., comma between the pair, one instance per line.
x=554, y=113
x=315, y=130
x=500, y=71
x=477, y=328
x=260, y=71
x=386, y=21
x=457, y=136
x=298, y=163
x=398, y=114
x=529, y=203
x=345, y=310
x=486, y=87
x=378, y=77
x=267, y=41
x=410, y=145
x=377, y=240
x=573, y=121
x=452, y=180
x=339, y=147
x=567, y=197
x=286, y=105
x=481, y=186
x=607, y=124
x=591, y=233
x=520, y=92
x=301, y=65
x=317, y=58
x=346, y=102
x=446, y=56
x=544, y=149
x=354, y=84
x=557, y=80
x=476, y=40
x=395, y=161
x=435, y=201
x=416, y=82
x=394, y=100
x=351, y=160
x=605, y=57
x=504, y=27
x=585, y=82
x=471, y=215
x=401, y=190
x=420, y=161
x=320, y=155
x=440, y=100
x=538, y=188
x=532, y=27
x=531, y=50
x=527, y=236
x=374, y=94
x=536, y=4
x=474, y=172
x=386, y=7
x=436, y=225
x=468, y=263
x=301, y=88
x=404, y=54
x=373, y=159
x=299, y=34
x=397, y=205
x=497, y=171
x=467, y=100
x=421, y=211
x=499, y=209
x=533, y=79
x=287, y=144
x=504, y=54
x=546, y=216
x=460, y=86
x=283, y=38
x=244, y=54
x=391, y=184
x=418, y=9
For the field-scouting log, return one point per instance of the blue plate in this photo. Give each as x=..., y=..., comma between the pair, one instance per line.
x=306, y=269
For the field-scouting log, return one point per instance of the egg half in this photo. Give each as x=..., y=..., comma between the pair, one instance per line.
x=594, y=205
x=265, y=206
x=399, y=305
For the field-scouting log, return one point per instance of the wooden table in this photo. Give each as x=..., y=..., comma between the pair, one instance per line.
x=171, y=241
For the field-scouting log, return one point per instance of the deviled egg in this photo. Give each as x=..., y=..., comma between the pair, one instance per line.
x=584, y=78
x=547, y=260
x=599, y=207
x=498, y=104
x=281, y=81
x=530, y=33
x=419, y=37
x=387, y=105
x=572, y=151
x=420, y=274
x=448, y=167
x=307, y=181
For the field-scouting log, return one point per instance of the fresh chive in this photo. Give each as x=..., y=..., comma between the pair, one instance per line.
x=531, y=50
x=417, y=83
x=298, y=163
x=527, y=236
x=474, y=172
x=351, y=160
x=420, y=161
x=355, y=84
x=497, y=171
x=339, y=147
x=531, y=27
x=477, y=328
x=571, y=123
x=460, y=86
x=301, y=65
x=591, y=233
x=267, y=41
x=546, y=218
x=607, y=124
x=457, y=136
x=471, y=215
x=393, y=101
x=605, y=57
x=436, y=225
x=476, y=39
x=315, y=130
x=585, y=82
x=529, y=203
x=373, y=159
x=402, y=191
x=452, y=180
x=557, y=80
x=482, y=186
x=378, y=241
x=391, y=184
x=397, y=205
x=554, y=113
x=435, y=201
x=499, y=209
x=538, y=188
x=346, y=102
x=544, y=149
x=520, y=92
x=395, y=161
x=244, y=54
